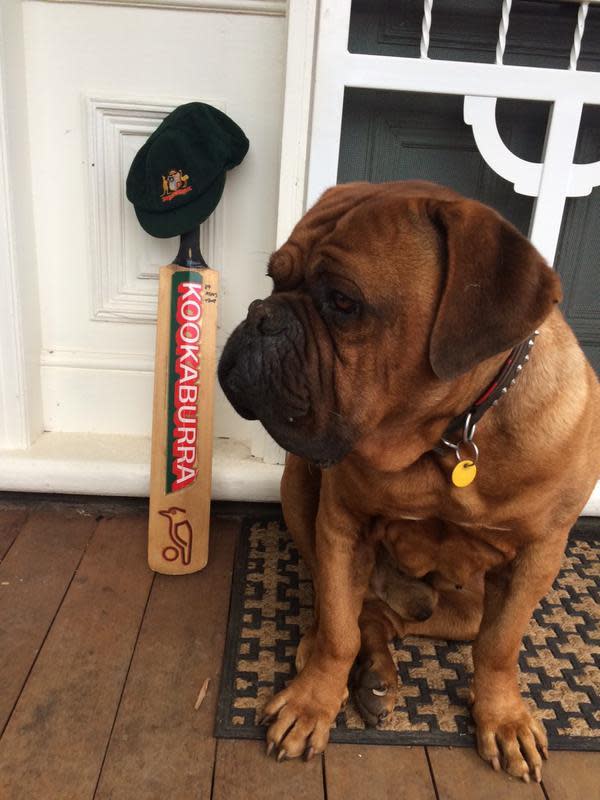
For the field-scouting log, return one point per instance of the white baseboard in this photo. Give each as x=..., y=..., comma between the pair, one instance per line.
x=79, y=463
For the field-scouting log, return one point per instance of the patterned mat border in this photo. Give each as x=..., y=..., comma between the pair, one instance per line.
x=586, y=529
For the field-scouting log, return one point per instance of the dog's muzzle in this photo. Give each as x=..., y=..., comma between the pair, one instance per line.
x=264, y=375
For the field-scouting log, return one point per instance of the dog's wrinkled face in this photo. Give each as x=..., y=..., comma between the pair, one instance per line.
x=380, y=288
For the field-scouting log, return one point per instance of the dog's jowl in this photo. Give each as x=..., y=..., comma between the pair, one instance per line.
x=443, y=434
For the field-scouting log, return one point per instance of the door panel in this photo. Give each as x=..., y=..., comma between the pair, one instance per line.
x=99, y=80
x=577, y=257
x=403, y=135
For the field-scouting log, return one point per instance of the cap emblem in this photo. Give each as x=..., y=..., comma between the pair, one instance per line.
x=175, y=183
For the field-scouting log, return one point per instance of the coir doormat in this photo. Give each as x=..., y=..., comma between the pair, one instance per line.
x=271, y=607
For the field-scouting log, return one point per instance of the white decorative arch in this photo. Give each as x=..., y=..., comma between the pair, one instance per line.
x=480, y=114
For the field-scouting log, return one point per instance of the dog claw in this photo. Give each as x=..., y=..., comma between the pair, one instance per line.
x=281, y=755
x=545, y=752
x=310, y=753
x=270, y=747
x=537, y=774
x=495, y=764
x=526, y=777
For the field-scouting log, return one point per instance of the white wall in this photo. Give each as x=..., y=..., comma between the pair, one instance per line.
x=99, y=78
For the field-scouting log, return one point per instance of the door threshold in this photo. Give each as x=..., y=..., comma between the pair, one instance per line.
x=103, y=464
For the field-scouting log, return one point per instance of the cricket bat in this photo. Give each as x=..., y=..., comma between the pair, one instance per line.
x=182, y=422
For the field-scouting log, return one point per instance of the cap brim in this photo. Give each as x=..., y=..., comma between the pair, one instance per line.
x=175, y=221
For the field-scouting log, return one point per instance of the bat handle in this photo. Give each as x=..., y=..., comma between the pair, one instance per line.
x=189, y=254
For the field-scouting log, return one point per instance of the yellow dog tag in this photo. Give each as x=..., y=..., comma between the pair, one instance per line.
x=464, y=473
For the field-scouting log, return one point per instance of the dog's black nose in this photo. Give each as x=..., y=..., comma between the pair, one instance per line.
x=266, y=318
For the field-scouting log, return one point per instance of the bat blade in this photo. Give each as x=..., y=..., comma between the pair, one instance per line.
x=182, y=421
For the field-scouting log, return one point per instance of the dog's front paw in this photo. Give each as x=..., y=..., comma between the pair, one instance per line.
x=374, y=686
x=509, y=736
x=302, y=714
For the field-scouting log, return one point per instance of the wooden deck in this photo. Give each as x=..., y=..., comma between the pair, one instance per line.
x=101, y=662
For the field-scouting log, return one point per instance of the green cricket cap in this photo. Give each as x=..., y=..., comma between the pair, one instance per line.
x=177, y=177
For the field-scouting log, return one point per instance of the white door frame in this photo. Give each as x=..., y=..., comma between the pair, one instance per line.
x=301, y=32
x=20, y=341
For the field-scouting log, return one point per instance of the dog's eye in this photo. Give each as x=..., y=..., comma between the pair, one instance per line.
x=340, y=302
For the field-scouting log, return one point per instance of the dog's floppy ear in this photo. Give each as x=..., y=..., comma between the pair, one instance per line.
x=497, y=290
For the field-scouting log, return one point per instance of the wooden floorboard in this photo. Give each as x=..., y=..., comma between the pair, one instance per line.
x=34, y=577
x=572, y=776
x=460, y=774
x=100, y=665
x=11, y=522
x=161, y=747
x=56, y=738
x=385, y=772
x=243, y=772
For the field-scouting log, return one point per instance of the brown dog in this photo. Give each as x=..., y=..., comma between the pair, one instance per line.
x=395, y=309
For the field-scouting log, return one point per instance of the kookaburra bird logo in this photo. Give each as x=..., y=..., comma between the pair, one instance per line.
x=180, y=533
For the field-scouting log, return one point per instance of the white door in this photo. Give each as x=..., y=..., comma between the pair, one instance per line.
x=83, y=85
